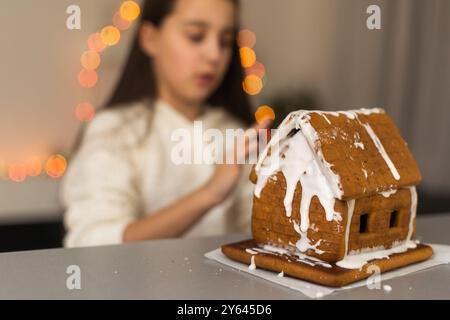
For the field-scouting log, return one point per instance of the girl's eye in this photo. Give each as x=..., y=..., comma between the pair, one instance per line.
x=196, y=38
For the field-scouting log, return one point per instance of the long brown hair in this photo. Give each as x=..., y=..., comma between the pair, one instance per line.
x=138, y=81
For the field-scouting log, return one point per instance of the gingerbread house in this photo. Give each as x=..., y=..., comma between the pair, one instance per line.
x=336, y=191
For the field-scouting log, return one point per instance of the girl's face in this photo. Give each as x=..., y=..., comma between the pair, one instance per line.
x=192, y=48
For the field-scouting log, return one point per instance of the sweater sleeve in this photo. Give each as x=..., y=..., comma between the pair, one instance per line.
x=99, y=190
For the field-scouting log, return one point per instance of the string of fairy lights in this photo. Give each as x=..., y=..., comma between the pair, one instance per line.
x=55, y=166
x=255, y=72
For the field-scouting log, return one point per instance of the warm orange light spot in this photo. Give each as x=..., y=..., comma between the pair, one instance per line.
x=17, y=172
x=248, y=57
x=90, y=60
x=34, y=167
x=87, y=78
x=246, y=38
x=56, y=166
x=95, y=43
x=258, y=69
x=252, y=84
x=264, y=113
x=85, y=112
x=110, y=35
x=120, y=23
x=129, y=10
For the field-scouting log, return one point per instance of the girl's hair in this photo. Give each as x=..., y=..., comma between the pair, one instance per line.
x=137, y=80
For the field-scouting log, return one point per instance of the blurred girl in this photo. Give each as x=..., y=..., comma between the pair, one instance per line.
x=122, y=185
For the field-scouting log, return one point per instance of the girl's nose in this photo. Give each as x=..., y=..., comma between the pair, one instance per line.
x=213, y=50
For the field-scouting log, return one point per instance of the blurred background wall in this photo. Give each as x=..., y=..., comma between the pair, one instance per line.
x=317, y=53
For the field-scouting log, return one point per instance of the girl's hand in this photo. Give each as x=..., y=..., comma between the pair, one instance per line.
x=226, y=176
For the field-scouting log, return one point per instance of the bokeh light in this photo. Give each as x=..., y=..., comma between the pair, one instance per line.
x=252, y=84
x=110, y=35
x=17, y=172
x=87, y=78
x=263, y=113
x=95, y=43
x=248, y=57
x=258, y=69
x=34, y=167
x=246, y=38
x=56, y=166
x=130, y=11
x=120, y=23
x=90, y=60
x=85, y=112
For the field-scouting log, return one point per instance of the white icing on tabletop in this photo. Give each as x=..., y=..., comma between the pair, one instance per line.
x=281, y=274
x=387, y=288
x=252, y=265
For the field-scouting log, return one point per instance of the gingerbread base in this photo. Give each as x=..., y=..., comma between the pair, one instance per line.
x=334, y=276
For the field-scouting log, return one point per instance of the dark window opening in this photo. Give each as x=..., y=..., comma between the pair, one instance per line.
x=393, y=220
x=363, y=223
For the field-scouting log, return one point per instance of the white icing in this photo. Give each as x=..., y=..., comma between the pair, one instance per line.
x=298, y=256
x=271, y=249
x=333, y=180
x=281, y=274
x=382, y=151
x=319, y=295
x=252, y=265
x=266, y=165
x=304, y=244
x=387, y=288
x=350, y=210
x=357, y=259
x=388, y=193
x=359, y=145
x=326, y=118
x=413, y=192
x=251, y=251
x=365, y=173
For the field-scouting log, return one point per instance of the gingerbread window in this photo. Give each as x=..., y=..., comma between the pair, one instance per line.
x=394, y=219
x=363, y=223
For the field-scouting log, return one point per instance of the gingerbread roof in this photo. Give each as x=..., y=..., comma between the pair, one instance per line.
x=360, y=152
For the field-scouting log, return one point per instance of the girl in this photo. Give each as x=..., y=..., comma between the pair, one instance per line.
x=123, y=185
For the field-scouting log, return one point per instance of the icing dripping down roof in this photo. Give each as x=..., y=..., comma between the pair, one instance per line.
x=360, y=152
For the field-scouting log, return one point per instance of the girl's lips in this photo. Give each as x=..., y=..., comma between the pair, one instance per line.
x=207, y=80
